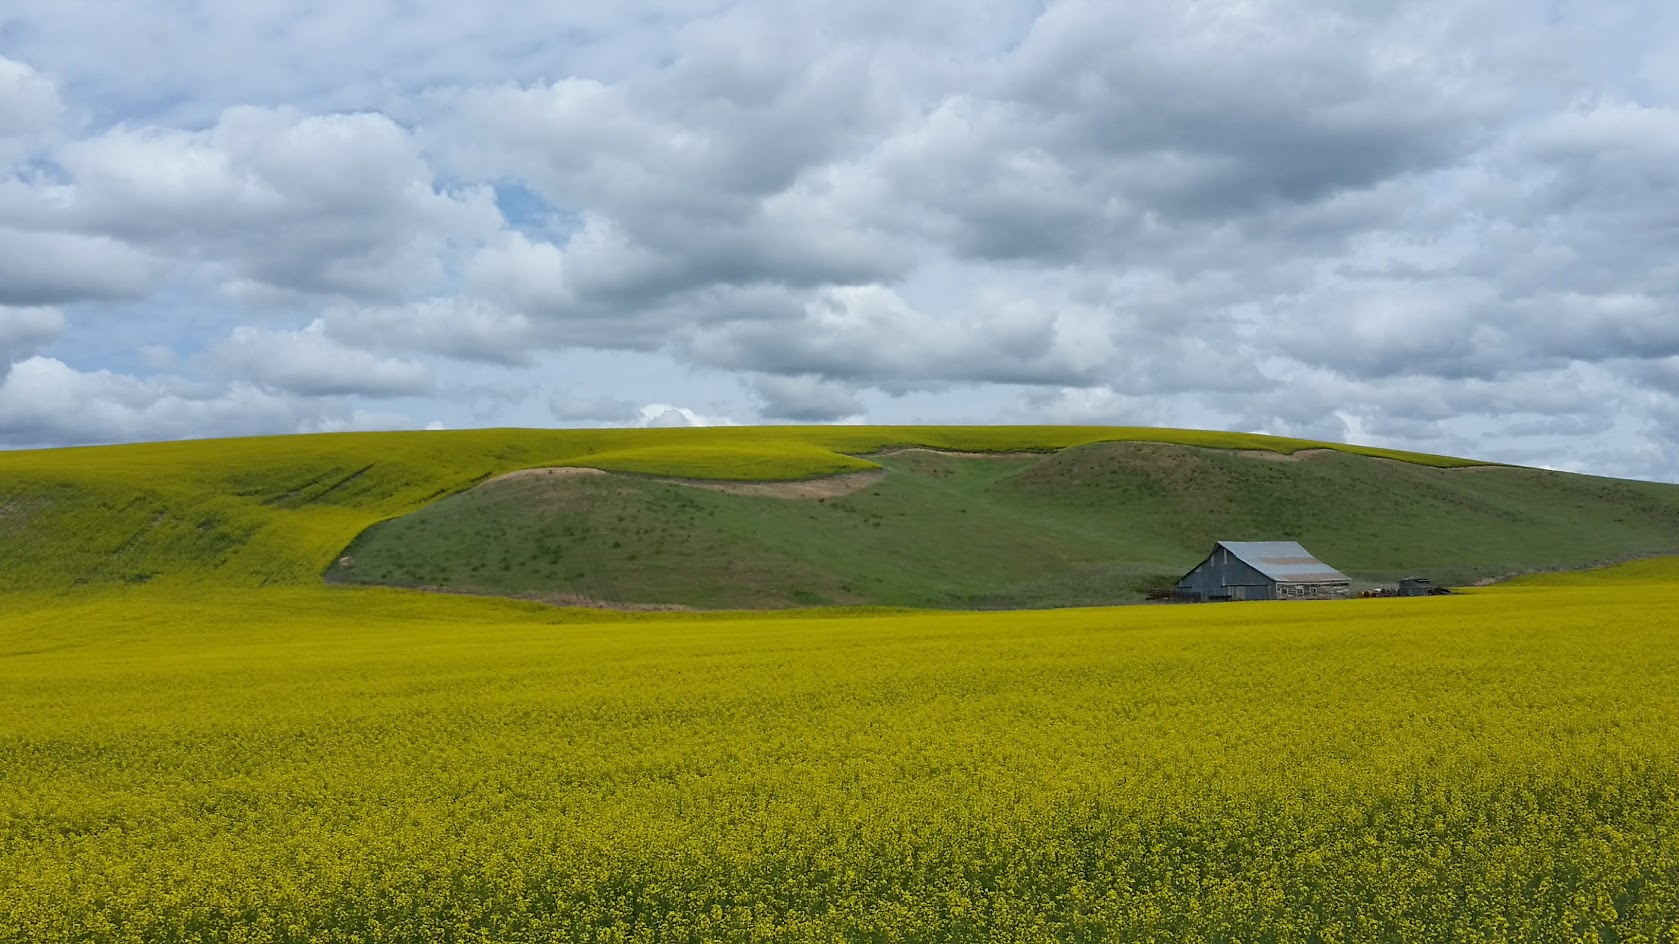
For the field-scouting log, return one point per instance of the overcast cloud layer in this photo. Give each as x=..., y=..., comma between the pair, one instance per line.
x=1448, y=226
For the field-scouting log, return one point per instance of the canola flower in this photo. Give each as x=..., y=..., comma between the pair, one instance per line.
x=302, y=765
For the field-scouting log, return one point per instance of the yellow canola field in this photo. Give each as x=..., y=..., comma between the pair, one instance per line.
x=366, y=765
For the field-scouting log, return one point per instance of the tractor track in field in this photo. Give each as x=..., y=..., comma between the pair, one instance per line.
x=338, y=485
x=563, y=599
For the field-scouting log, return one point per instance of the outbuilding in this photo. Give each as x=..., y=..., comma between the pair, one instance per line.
x=1415, y=587
x=1262, y=570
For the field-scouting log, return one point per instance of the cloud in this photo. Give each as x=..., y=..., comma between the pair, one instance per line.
x=339, y=204
x=1660, y=374
x=324, y=56
x=39, y=268
x=604, y=411
x=805, y=398
x=29, y=102
x=310, y=363
x=705, y=183
x=1371, y=91
x=1088, y=406
x=662, y=415
x=24, y=332
x=870, y=334
x=46, y=402
x=461, y=328
x=707, y=175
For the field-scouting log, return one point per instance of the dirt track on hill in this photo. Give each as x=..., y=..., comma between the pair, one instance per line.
x=1305, y=454
x=828, y=486
x=558, y=471
x=1270, y=456
x=960, y=455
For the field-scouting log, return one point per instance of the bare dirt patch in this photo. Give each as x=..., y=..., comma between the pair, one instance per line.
x=959, y=455
x=1270, y=456
x=829, y=486
x=558, y=472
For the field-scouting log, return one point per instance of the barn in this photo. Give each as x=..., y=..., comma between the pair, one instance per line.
x=1262, y=570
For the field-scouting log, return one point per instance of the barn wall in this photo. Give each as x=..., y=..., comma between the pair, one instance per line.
x=1223, y=574
x=1327, y=590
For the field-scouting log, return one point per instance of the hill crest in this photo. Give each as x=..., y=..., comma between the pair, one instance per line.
x=276, y=511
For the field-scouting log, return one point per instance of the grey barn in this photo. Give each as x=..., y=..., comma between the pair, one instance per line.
x=1262, y=570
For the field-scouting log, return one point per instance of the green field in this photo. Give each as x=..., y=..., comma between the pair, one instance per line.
x=201, y=741
x=1090, y=525
x=276, y=510
x=1113, y=512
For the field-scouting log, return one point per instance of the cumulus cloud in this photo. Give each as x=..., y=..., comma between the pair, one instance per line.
x=605, y=411
x=310, y=363
x=1373, y=91
x=665, y=415
x=872, y=334
x=461, y=328
x=1660, y=374
x=270, y=198
x=1093, y=406
x=24, y=332
x=326, y=56
x=1057, y=152
x=49, y=268
x=29, y=102
x=46, y=402
x=805, y=398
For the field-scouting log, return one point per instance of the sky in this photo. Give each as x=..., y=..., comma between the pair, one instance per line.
x=1444, y=226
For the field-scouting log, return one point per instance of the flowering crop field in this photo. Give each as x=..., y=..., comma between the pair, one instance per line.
x=303, y=764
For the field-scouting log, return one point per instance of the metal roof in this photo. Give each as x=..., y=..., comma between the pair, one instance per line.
x=1283, y=561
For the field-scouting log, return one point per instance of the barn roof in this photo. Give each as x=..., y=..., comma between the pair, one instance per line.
x=1283, y=561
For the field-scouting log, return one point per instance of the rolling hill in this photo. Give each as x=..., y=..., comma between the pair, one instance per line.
x=1093, y=524
x=1018, y=516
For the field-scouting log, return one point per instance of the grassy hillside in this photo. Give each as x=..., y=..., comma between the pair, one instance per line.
x=1091, y=524
x=275, y=511
x=290, y=765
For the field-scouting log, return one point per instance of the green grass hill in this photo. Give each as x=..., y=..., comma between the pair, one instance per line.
x=1093, y=524
x=1044, y=516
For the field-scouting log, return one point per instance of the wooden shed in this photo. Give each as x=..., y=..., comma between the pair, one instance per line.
x=1415, y=587
x=1262, y=570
